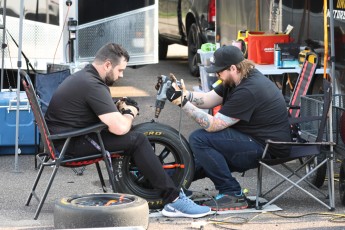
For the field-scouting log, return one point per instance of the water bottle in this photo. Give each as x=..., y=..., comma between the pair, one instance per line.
x=277, y=57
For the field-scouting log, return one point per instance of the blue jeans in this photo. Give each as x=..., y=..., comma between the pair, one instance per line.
x=223, y=152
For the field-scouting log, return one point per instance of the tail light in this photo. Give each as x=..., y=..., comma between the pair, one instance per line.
x=212, y=11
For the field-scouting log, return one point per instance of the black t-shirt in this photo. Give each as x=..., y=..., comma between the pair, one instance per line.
x=261, y=108
x=78, y=101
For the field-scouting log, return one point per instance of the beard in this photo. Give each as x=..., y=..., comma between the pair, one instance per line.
x=229, y=83
x=109, y=78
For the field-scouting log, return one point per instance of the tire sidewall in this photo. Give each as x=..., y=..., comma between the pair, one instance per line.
x=70, y=215
x=193, y=58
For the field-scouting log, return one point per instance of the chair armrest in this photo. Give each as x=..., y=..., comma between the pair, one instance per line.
x=293, y=106
x=92, y=129
x=299, y=143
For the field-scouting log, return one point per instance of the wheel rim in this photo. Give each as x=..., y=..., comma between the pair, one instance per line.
x=171, y=162
x=102, y=200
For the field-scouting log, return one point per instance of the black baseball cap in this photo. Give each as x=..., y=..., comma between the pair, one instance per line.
x=224, y=57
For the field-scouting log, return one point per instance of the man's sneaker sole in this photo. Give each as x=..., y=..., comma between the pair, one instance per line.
x=181, y=214
x=229, y=209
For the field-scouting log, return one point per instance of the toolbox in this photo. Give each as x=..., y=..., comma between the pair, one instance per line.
x=27, y=126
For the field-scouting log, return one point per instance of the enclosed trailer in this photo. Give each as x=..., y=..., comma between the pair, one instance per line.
x=61, y=35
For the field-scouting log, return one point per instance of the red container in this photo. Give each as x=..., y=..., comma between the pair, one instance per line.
x=261, y=47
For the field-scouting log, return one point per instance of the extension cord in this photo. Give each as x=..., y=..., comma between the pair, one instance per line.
x=199, y=224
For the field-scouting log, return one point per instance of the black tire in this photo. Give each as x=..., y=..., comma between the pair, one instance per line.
x=194, y=43
x=318, y=177
x=90, y=211
x=162, y=49
x=171, y=151
x=342, y=183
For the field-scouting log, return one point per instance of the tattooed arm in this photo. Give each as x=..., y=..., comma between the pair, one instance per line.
x=204, y=100
x=208, y=122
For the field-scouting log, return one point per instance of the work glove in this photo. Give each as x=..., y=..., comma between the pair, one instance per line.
x=127, y=105
x=176, y=91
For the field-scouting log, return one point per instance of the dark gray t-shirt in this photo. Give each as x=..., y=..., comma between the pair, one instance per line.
x=78, y=101
x=261, y=108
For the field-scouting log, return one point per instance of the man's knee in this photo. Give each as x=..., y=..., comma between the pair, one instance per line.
x=196, y=136
x=138, y=138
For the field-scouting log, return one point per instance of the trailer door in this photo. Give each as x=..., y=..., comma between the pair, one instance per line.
x=131, y=23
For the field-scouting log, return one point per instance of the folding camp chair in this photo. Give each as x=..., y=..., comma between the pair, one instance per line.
x=307, y=150
x=45, y=85
x=52, y=158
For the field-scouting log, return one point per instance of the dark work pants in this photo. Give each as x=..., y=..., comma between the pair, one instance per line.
x=136, y=145
x=220, y=153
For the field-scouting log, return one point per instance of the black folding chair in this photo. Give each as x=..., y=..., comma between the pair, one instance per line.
x=307, y=150
x=51, y=157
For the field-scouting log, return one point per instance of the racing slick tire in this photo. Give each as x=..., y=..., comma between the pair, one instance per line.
x=101, y=210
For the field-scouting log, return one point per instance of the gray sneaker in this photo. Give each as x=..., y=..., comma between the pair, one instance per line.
x=224, y=202
x=185, y=207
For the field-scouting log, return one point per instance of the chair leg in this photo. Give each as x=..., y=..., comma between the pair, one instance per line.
x=51, y=179
x=101, y=179
x=33, y=193
x=330, y=174
x=259, y=188
x=294, y=184
x=294, y=172
x=108, y=164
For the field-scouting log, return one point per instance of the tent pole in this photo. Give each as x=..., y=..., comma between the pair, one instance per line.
x=19, y=64
x=332, y=59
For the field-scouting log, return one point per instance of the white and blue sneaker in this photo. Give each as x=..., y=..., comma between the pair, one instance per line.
x=185, y=207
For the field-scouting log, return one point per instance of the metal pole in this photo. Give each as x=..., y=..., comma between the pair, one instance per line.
x=19, y=64
x=331, y=27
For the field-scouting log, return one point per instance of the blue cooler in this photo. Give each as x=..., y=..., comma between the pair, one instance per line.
x=8, y=108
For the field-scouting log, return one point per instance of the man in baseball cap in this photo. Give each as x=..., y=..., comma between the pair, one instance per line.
x=225, y=57
x=253, y=110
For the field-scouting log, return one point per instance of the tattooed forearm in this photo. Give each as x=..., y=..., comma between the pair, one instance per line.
x=201, y=117
x=208, y=122
x=198, y=101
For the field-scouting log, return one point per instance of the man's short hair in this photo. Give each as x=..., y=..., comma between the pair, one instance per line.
x=112, y=52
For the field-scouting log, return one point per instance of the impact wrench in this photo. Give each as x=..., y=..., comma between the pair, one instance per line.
x=163, y=84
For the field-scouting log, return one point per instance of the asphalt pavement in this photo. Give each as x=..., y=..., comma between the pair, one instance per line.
x=139, y=83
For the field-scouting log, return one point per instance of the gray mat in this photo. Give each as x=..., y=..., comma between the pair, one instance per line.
x=269, y=208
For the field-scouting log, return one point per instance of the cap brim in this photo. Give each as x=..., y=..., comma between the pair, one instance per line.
x=214, y=69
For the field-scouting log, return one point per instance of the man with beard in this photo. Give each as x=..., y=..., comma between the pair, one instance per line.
x=84, y=99
x=253, y=110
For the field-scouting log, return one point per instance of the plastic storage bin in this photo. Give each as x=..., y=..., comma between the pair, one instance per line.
x=26, y=139
x=205, y=57
x=207, y=79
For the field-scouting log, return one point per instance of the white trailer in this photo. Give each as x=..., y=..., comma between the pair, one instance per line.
x=55, y=33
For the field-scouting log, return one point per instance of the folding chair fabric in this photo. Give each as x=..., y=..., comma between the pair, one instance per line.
x=46, y=84
x=52, y=158
x=307, y=151
x=302, y=85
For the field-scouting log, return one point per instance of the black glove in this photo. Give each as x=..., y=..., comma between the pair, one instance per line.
x=174, y=96
x=127, y=105
x=129, y=101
